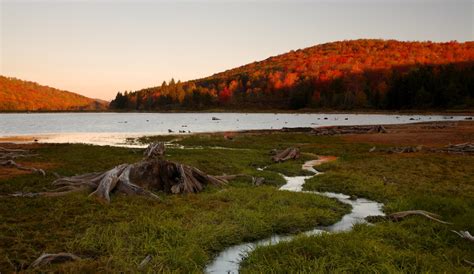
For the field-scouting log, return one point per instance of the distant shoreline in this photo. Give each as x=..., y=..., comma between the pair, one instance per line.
x=301, y=111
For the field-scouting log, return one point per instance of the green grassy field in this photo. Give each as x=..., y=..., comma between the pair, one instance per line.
x=184, y=232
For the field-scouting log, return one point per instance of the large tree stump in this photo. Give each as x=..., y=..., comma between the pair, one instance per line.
x=153, y=173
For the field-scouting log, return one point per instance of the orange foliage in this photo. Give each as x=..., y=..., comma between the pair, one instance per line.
x=18, y=95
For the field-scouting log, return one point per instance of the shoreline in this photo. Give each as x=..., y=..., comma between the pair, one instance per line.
x=132, y=140
x=271, y=111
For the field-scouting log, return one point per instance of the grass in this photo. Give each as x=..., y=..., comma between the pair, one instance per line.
x=184, y=232
x=439, y=183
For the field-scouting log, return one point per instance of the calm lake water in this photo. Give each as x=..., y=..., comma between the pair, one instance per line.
x=113, y=128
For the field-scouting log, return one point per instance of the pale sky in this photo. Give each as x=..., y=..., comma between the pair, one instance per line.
x=97, y=48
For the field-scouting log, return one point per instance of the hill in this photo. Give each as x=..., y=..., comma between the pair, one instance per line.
x=18, y=95
x=374, y=74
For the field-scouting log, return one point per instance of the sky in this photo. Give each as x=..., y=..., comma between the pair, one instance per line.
x=97, y=48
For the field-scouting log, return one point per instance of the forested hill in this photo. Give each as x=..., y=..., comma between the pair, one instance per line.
x=18, y=95
x=373, y=74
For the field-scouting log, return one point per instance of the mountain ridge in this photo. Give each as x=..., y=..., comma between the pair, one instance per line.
x=341, y=75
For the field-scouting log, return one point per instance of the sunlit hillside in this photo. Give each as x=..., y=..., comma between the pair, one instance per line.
x=18, y=95
x=382, y=74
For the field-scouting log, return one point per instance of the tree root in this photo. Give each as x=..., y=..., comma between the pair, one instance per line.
x=469, y=262
x=46, y=258
x=8, y=155
x=398, y=216
x=13, y=164
x=465, y=235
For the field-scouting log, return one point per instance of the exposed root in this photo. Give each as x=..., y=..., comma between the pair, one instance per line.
x=13, y=164
x=286, y=154
x=468, y=262
x=398, y=216
x=46, y=258
x=465, y=235
x=8, y=155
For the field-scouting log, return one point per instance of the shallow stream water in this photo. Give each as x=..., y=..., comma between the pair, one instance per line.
x=228, y=261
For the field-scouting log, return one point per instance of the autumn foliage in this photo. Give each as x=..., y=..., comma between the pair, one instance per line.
x=18, y=95
x=347, y=74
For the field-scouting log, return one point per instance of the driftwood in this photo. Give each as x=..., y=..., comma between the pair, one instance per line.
x=407, y=149
x=7, y=157
x=339, y=130
x=398, y=216
x=46, y=258
x=440, y=125
x=145, y=262
x=464, y=148
x=286, y=154
x=151, y=174
x=257, y=181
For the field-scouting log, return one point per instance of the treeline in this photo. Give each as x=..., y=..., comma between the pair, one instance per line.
x=373, y=74
x=19, y=95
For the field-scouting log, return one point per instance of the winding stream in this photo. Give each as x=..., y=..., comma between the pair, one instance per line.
x=228, y=261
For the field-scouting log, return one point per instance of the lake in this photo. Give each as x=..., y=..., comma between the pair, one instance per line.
x=113, y=128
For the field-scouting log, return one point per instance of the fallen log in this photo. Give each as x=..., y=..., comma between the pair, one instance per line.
x=286, y=154
x=407, y=149
x=340, y=130
x=464, y=148
x=46, y=258
x=153, y=173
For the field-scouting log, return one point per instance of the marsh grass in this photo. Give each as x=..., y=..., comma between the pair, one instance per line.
x=439, y=183
x=183, y=233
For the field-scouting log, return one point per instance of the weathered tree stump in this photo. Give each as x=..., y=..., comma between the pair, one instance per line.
x=286, y=154
x=153, y=173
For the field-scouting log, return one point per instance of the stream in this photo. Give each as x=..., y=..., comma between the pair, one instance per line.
x=228, y=261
